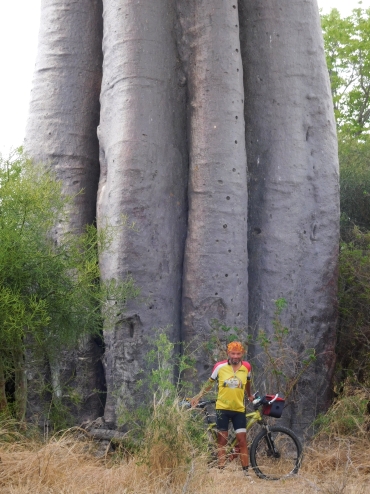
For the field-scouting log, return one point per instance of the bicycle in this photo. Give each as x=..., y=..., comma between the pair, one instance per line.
x=276, y=451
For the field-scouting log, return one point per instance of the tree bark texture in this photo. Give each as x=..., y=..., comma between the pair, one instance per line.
x=199, y=84
x=142, y=137
x=293, y=185
x=61, y=131
x=215, y=267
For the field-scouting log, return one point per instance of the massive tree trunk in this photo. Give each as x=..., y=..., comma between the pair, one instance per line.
x=284, y=118
x=142, y=137
x=215, y=268
x=293, y=185
x=61, y=130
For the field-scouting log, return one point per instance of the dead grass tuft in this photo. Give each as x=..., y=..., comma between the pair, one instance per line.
x=67, y=464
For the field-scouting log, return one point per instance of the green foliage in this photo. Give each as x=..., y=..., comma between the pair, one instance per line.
x=353, y=345
x=282, y=366
x=162, y=379
x=279, y=366
x=221, y=335
x=348, y=415
x=354, y=159
x=50, y=293
x=162, y=433
x=347, y=48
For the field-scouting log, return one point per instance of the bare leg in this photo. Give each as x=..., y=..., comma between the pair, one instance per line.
x=243, y=446
x=221, y=448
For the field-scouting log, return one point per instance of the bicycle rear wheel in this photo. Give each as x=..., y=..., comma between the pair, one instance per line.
x=277, y=456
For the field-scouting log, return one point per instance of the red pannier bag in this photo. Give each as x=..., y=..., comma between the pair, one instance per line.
x=275, y=409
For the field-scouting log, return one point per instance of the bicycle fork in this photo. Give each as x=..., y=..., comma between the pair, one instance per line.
x=271, y=449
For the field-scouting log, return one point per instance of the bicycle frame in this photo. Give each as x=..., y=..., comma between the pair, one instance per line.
x=252, y=418
x=272, y=451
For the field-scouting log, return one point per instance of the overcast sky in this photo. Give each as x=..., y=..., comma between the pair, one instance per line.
x=19, y=25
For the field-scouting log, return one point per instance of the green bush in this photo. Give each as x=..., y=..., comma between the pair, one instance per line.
x=353, y=342
x=162, y=433
x=348, y=416
x=50, y=293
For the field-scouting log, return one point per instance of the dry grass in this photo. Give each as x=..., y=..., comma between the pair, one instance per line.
x=68, y=465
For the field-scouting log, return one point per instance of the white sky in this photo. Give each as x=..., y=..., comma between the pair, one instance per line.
x=19, y=25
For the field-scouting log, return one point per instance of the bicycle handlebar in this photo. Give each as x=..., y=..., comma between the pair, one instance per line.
x=275, y=398
x=202, y=404
x=257, y=402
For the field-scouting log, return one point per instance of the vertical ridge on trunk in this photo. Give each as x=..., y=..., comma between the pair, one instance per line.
x=61, y=131
x=293, y=214
x=144, y=177
x=215, y=267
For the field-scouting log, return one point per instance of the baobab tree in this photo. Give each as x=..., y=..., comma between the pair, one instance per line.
x=61, y=130
x=293, y=184
x=202, y=104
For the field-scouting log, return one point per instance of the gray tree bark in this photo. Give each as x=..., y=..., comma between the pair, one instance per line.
x=293, y=185
x=143, y=151
x=215, y=267
x=61, y=130
x=282, y=118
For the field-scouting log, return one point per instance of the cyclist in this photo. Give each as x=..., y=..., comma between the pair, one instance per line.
x=233, y=376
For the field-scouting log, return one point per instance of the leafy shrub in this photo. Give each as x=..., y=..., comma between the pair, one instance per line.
x=353, y=343
x=50, y=293
x=164, y=435
x=348, y=416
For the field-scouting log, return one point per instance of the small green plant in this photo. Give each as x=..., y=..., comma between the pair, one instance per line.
x=282, y=367
x=348, y=415
x=353, y=342
x=220, y=336
x=162, y=433
x=279, y=367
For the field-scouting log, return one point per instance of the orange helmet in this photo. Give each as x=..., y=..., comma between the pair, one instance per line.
x=235, y=346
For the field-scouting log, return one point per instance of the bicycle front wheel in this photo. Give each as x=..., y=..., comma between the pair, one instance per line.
x=276, y=454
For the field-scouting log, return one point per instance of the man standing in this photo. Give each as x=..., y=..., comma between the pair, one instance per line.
x=233, y=376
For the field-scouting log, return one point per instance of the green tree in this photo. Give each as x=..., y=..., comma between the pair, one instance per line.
x=354, y=158
x=347, y=47
x=50, y=294
x=353, y=345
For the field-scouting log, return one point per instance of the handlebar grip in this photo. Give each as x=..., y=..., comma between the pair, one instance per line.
x=184, y=403
x=275, y=398
x=202, y=404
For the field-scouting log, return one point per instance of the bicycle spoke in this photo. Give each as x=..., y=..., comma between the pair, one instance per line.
x=278, y=461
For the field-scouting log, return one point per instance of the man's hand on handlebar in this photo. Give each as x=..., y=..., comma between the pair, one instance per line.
x=194, y=401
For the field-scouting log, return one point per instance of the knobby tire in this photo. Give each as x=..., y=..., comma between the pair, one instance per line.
x=284, y=462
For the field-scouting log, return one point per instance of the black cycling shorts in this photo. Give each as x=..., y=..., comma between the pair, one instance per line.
x=238, y=419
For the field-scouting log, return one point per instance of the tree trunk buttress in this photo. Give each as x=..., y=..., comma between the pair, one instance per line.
x=142, y=136
x=215, y=269
x=61, y=131
x=293, y=214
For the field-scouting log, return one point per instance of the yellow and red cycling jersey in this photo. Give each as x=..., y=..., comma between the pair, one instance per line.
x=231, y=385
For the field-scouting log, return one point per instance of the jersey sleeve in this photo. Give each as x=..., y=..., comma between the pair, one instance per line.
x=249, y=367
x=216, y=368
